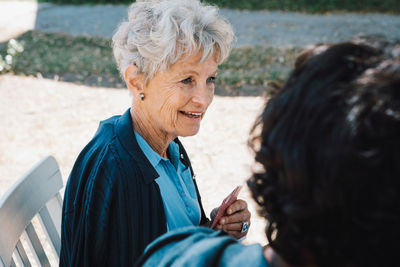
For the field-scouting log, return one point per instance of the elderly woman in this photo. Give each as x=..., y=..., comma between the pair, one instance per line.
x=134, y=181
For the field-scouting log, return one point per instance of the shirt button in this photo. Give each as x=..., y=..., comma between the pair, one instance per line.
x=181, y=156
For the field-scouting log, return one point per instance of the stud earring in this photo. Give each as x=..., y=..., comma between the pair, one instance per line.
x=142, y=96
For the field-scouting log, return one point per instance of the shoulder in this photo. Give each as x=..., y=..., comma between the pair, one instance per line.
x=199, y=246
x=103, y=166
x=112, y=148
x=101, y=153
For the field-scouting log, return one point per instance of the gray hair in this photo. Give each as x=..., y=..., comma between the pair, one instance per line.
x=158, y=33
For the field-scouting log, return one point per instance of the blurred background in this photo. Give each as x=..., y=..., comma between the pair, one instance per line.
x=58, y=79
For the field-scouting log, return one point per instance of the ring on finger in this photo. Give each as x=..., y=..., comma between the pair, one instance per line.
x=245, y=227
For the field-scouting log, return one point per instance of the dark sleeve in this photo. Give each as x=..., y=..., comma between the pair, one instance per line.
x=88, y=213
x=106, y=214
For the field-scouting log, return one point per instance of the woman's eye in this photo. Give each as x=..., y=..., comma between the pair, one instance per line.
x=211, y=80
x=187, y=80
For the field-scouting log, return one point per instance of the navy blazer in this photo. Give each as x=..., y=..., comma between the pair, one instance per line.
x=112, y=205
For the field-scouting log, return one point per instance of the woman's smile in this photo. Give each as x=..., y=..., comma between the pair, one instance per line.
x=192, y=114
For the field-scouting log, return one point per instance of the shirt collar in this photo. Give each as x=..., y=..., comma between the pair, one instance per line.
x=124, y=129
x=151, y=155
x=174, y=153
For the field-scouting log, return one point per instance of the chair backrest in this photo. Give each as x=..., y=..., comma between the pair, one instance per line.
x=36, y=193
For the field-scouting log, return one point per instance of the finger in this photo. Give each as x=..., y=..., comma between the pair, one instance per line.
x=235, y=226
x=236, y=206
x=234, y=230
x=238, y=217
x=232, y=227
x=236, y=234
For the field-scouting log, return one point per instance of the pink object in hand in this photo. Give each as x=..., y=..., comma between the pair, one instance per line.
x=232, y=197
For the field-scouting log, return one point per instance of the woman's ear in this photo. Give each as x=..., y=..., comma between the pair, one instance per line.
x=133, y=80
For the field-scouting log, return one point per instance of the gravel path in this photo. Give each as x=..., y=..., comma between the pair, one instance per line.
x=279, y=29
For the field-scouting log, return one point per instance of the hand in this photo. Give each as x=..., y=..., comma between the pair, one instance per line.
x=232, y=222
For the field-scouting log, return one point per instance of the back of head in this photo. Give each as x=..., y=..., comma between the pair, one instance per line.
x=330, y=148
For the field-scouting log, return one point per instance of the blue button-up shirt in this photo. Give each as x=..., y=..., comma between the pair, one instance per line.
x=176, y=186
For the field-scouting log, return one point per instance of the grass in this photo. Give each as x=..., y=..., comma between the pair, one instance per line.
x=62, y=54
x=310, y=6
x=90, y=61
x=314, y=6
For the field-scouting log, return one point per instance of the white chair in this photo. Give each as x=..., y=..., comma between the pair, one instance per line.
x=36, y=193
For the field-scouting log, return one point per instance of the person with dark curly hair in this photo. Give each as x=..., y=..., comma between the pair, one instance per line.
x=330, y=185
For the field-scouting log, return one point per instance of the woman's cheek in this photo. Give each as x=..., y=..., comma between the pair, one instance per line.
x=211, y=98
x=169, y=112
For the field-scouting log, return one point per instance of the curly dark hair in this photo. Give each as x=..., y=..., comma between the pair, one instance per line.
x=330, y=151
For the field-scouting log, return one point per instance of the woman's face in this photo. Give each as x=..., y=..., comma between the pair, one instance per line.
x=177, y=99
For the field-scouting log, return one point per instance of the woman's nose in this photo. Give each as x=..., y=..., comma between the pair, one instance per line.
x=203, y=95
